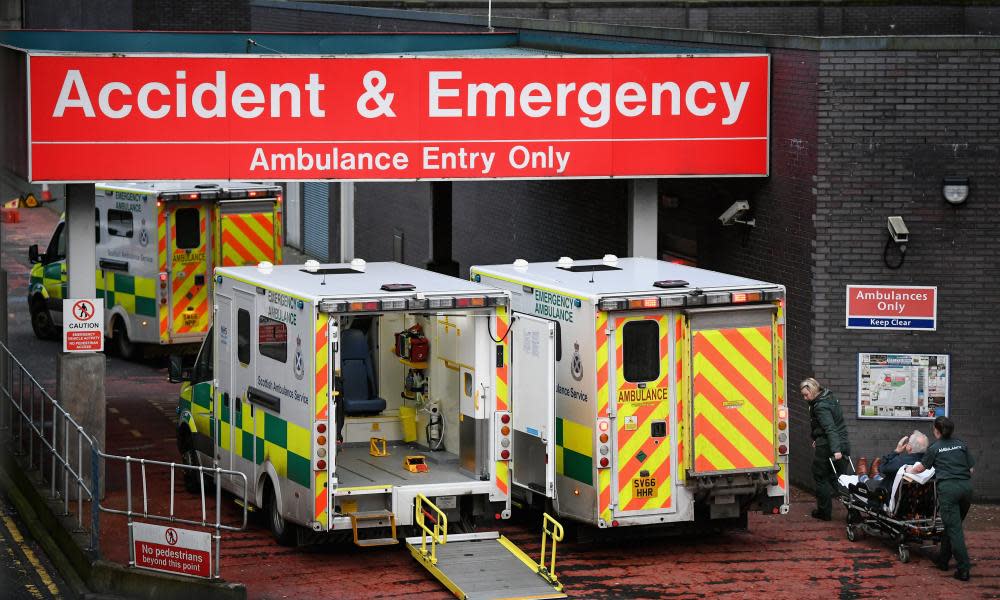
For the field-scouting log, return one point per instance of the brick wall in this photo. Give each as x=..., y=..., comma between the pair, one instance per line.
x=202, y=15
x=891, y=125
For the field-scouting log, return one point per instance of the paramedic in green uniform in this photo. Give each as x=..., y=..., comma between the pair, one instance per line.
x=953, y=463
x=829, y=434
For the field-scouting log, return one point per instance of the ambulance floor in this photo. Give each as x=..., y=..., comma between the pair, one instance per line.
x=357, y=467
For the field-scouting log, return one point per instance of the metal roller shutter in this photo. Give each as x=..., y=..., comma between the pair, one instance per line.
x=316, y=220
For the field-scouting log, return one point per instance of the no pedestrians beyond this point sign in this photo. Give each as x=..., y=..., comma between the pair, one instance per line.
x=172, y=550
x=912, y=308
x=83, y=325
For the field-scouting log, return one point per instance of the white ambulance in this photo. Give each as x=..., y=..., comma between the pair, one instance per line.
x=157, y=244
x=646, y=392
x=345, y=390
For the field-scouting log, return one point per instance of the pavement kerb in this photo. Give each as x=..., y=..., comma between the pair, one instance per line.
x=93, y=579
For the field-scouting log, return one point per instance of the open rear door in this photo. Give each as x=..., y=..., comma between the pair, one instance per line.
x=533, y=373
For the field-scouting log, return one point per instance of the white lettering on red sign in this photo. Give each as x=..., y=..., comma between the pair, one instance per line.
x=172, y=550
x=398, y=118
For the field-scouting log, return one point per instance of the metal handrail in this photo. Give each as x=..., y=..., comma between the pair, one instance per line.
x=438, y=535
x=548, y=572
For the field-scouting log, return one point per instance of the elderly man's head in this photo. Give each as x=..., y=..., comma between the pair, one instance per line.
x=918, y=442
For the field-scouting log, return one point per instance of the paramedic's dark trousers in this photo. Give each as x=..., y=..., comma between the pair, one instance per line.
x=954, y=498
x=824, y=477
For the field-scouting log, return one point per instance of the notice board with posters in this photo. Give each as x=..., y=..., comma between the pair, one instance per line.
x=903, y=386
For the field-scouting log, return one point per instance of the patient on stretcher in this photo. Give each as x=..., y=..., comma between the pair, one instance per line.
x=909, y=496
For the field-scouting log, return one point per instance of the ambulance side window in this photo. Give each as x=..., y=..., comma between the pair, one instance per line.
x=57, y=245
x=641, y=351
x=188, y=221
x=119, y=223
x=243, y=336
x=203, y=364
x=272, y=339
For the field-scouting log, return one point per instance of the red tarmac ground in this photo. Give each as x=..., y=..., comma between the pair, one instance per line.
x=792, y=556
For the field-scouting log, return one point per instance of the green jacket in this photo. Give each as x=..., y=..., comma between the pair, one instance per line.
x=827, y=421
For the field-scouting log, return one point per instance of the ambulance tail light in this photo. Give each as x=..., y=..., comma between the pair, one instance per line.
x=603, y=443
x=475, y=301
x=163, y=281
x=640, y=303
x=321, y=445
x=364, y=306
x=744, y=297
x=503, y=435
x=782, y=430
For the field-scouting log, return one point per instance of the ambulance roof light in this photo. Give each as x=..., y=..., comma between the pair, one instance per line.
x=311, y=265
x=359, y=264
x=565, y=262
x=521, y=264
x=610, y=259
x=265, y=267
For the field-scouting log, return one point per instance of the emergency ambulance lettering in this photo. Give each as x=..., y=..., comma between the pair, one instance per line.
x=643, y=395
x=554, y=306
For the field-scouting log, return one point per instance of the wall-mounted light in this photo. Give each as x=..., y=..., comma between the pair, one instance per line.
x=955, y=190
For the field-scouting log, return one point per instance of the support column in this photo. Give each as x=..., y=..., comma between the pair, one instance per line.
x=80, y=377
x=346, y=221
x=642, y=218
x=440, y=234
x=81, y=246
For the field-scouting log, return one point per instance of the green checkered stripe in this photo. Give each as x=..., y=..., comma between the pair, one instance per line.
x=51, y=277
x=285, y=445
x=574, y=443
x=136, y=295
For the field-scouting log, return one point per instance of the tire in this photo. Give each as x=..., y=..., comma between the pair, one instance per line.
x=284, y=532
x=191, y=477
x=123, y=345
x=852, y=534
x=904, y=553
x=41, y=321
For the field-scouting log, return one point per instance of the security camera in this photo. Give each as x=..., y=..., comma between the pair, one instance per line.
x=735, y=213
x=897, y=229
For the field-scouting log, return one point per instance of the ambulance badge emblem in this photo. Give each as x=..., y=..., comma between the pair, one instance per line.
x=300, y=368
x=576, y=366
x=143, y=236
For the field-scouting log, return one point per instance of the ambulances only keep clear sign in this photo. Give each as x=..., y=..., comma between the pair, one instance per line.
x=83, y=325
x=172, y=550
x=912, y=308
x=397, y=118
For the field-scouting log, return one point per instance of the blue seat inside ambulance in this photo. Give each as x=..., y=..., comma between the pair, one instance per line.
x=358, y=377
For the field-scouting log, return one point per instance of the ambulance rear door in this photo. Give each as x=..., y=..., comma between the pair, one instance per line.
x=187, y=252
x=733, y=389
x=533, y=374
x=247, y=232
x=644, y=457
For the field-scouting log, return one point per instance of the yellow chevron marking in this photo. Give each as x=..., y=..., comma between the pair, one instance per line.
x=710, y=452
x=732, y=433
x=762, y=423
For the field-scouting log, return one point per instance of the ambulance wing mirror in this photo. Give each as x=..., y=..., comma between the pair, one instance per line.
x=176, y=371
x=33, y=255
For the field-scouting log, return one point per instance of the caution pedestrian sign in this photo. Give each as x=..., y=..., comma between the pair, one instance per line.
x=172, y=550
x=83, y=325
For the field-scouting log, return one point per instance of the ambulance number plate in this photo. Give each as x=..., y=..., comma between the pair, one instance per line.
x=446, y=502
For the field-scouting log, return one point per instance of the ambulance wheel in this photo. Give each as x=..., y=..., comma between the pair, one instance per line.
x=904, y=553
x=191, y=477
x=41, y=321
x=119, y=335
x=283, y=531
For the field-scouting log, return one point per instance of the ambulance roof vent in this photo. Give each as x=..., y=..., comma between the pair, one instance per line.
x=265, y=267
x=311, y=265
x=359, y=264
x=565, y=262
x=521, y=264
x=610, y=259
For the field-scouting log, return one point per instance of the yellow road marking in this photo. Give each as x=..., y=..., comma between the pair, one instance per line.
x=124, y=421
x=113, y=410
x=43, y=574
x=135, y=433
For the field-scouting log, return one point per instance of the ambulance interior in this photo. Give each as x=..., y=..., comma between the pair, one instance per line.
x=412, y=380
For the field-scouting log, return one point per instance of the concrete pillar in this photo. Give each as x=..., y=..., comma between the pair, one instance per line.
x=346, y=221
x=441, y=232
x=642, y=218
x=80, y=390
x=81, y=246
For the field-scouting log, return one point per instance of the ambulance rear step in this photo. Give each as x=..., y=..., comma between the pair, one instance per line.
x=370, y=519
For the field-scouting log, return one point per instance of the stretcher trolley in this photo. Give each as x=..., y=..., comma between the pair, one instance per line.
x=905, y=513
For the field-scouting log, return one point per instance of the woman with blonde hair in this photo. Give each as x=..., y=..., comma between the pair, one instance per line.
x=829, y=434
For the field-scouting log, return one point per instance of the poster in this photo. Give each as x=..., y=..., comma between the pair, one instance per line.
x=903, y=386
